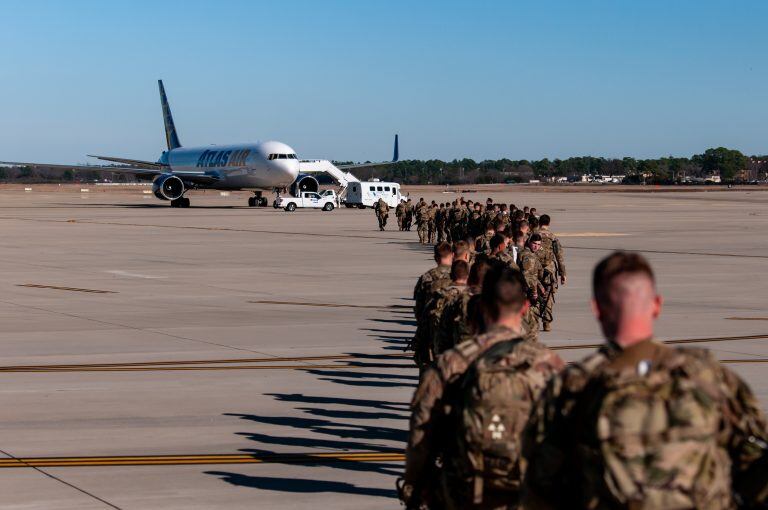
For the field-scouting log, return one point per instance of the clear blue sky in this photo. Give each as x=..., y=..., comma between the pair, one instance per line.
x=337, y=79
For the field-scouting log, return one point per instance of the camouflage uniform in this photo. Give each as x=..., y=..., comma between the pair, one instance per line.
x=382, y=213
x=431, y=224
x=552, y=258
x=458, y=220
x=505, y=257
x=400, y=215
x=533, y=273
x=476, y=224
x=429, y=414
x=483, y=243
x=440, y=223
x=441, y=300
x=408, y=219
x=647, y=427
x=428, y=284
x=455, y=327
x=422, y=222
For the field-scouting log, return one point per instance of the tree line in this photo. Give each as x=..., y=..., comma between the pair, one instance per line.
x=730, y=165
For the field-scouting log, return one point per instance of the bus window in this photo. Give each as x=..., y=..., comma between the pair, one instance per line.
x=378, y=188
x=386, y=188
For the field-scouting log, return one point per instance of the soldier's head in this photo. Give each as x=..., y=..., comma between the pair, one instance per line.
x=526, y=209
x=544, y=220
x=477, y=272
x=443, y=254
x=533, y=222
x=490, y=229
x=512, y=208
x=625, y=300
x=461, y=251
x=459, y=272
x=488, y=202
x=421, y=200
x=498, y=243
x=503, y=296
x=533, y=211
x=519, y=215
x=478, y=206
x=524, y=227
x=520, y=238
x=534, y=242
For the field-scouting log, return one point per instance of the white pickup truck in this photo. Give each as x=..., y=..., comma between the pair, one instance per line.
x=326, y=200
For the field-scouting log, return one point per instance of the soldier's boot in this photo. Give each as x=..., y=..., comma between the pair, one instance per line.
x=547, y=326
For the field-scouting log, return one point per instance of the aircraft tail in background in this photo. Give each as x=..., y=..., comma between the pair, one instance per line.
x=171, y=137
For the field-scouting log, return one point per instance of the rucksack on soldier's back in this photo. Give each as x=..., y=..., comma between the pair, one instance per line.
x=655, y=436
x=489, y=408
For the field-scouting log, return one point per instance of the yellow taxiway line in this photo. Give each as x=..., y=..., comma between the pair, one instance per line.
x=176, y=460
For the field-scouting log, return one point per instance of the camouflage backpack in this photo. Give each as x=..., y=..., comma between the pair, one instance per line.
x=655, y=436
x=440, y=304
x=490, y=406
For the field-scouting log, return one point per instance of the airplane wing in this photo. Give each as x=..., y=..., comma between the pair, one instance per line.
x=202, y=178
x=133, y=162
x=88, y=168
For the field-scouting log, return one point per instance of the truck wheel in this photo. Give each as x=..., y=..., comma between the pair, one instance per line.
x=290, y=207
x=328, y=207
x=349, y=206
x=361, y=206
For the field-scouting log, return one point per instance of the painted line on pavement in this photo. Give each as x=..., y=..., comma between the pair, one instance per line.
x=176, y=460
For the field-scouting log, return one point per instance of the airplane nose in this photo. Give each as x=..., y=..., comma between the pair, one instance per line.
x=289, y=168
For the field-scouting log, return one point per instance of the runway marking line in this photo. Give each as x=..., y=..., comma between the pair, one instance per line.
x=746, y=318
x=176, y=460
x=266, y=363
x=331, y=305
x=71, y=289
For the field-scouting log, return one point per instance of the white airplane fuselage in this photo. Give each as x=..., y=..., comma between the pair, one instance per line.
x=257, y=166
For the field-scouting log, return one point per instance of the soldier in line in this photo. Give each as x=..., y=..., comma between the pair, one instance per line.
x=469, y=409
x=440, y=223
x=400, y=215
x=534, y=274
x=422, y=221
x=483, y=243
x=431, y=223
x=499, y=252
x=408, y=215
x=436, y=307
x=382, y=213
x=642, y=424
x=552, y=258
x=427, y=284
x=460, y=320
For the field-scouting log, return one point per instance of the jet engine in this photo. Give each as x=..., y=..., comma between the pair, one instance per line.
x=304, y=182
x=168, y=187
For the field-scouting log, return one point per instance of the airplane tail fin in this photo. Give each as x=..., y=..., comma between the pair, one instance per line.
x=171, y=137
x=396, y=155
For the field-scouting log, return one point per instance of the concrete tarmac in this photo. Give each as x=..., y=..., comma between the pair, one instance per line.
x=230, y=357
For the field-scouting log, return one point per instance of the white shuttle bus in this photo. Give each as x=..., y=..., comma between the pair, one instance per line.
x=366, y=194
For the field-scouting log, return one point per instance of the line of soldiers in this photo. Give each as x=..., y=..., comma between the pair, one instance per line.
x=522, y=240
x=498, y=420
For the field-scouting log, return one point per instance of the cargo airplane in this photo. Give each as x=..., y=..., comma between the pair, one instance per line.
x=258, y=167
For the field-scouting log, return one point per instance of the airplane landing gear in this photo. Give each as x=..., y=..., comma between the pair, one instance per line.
x=180, y=202
x=257, y=200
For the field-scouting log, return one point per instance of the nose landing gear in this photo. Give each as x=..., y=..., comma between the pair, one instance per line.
x=180, y=202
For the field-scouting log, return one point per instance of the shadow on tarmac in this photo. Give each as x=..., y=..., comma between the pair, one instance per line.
x=343, y=424
x=299, y=485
